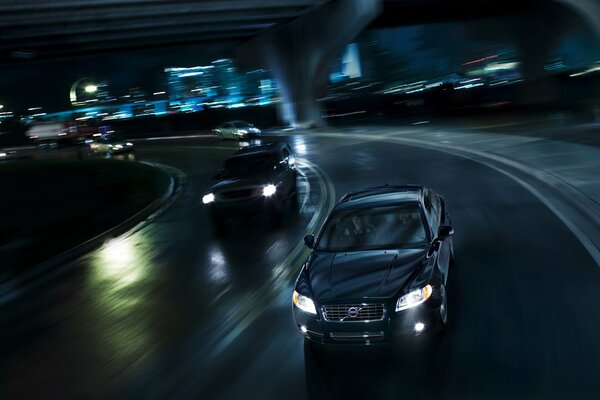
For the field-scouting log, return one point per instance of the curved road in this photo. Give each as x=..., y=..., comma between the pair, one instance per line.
x=172, y=311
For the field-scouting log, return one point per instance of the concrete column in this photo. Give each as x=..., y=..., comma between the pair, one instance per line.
x=588, y=10
x=299, y=54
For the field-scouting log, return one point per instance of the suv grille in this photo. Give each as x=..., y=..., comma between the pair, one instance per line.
x=353, y=312
x=238, y=194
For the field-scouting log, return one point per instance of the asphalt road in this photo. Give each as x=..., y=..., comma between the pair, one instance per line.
x=173, y=311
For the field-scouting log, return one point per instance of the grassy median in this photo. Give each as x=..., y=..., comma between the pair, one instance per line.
x=47, y=207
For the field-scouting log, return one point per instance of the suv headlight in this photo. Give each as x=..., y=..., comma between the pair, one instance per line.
x=304, y=303
x=269, y=190
x=208, y=198
x=414, y=298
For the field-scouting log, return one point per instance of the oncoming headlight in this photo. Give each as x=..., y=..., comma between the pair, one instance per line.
x=304, y=303
x=414, y=298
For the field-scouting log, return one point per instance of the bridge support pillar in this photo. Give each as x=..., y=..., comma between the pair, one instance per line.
x=299, y=55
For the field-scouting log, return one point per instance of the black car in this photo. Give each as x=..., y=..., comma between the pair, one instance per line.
x=378, y=268
x=257, y=179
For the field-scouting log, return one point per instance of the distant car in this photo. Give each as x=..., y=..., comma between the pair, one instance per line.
x=378, y=269
x=237, y=130
x=111, y=145
x=257, y=179
x=9, y=154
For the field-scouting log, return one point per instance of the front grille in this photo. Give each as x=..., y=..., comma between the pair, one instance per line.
x=353, y=312
x=353, y=336
x=238, y=194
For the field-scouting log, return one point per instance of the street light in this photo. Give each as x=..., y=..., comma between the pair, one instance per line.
x=81, y=86
x=91, y=88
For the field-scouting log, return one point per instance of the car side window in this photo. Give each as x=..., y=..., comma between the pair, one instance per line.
x=437, y=207
x=430, y=211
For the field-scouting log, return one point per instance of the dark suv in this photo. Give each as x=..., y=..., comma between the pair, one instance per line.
x=256, y=179
x=378, y=268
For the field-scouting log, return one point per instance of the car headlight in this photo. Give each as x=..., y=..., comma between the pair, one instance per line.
x=2, y=154
x=129, y=144
x=304, y=303
x=208, y=198
x=269, y=190
x=241, y=132
x=414, y=298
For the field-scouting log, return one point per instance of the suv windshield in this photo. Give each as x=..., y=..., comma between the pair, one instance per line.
x=238, y=167
x=373, y=228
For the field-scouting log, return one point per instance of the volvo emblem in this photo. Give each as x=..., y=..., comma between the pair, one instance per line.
x=353, y=312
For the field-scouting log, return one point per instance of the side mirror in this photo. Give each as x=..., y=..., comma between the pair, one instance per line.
x=444, y=232
x=435, y=246
x=309, y=241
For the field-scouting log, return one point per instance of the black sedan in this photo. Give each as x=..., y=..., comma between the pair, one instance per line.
x=257, y=179
x=378, y=268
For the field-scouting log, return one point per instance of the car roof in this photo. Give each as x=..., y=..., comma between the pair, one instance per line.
x=381, y=196
x=268, y=148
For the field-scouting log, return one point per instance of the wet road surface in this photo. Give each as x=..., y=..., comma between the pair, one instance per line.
x=174, y=311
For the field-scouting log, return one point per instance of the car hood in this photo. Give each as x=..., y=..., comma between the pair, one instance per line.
x=239, y=183
x=362, y=274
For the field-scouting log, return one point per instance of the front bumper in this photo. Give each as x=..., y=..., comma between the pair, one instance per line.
x=244, y=207
x=395, y=326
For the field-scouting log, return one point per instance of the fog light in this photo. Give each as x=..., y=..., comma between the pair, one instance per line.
x=419, y=326
x=303, y=329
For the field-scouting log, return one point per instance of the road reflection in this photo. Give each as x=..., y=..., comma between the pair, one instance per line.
x=401, y=370
x=218, y=270
x=120, y=299
x=117, y=265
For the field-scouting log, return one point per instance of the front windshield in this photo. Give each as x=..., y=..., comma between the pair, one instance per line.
x=373, y=228
x=238, y=167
